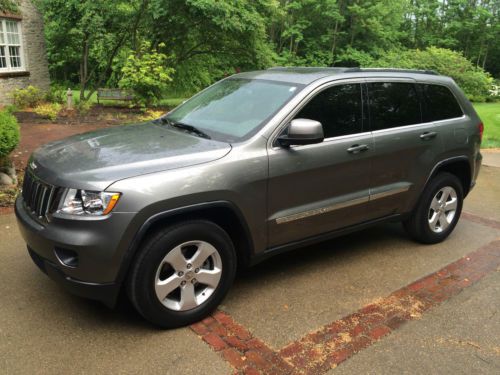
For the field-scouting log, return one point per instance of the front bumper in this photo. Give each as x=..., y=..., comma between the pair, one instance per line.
x=105, y=293
x=98, y=245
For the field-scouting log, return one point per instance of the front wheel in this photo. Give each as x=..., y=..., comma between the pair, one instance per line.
x=182, y=273
x=438, y=210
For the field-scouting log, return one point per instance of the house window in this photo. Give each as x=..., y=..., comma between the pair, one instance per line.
x=11, y=58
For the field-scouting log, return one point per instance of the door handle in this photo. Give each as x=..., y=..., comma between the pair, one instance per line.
x=356, y=149
x=427, y=135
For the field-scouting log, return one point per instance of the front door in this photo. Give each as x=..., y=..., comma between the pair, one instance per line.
x=318, y=188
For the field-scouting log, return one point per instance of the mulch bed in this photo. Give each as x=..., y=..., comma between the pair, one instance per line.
x=107, y=115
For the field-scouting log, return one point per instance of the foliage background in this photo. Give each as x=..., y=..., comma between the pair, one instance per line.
x=89, y=41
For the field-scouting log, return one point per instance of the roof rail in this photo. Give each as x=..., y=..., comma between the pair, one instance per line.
x=391, y=70
x=336, y=69
x=340, y=69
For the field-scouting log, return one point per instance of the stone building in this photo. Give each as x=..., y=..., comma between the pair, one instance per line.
x=23, y=59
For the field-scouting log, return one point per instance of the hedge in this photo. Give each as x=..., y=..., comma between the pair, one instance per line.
x=9, y=133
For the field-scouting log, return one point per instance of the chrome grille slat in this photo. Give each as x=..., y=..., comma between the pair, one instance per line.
x=49, y=201
x=40, y=200
x=38, y=196
x=34, y=192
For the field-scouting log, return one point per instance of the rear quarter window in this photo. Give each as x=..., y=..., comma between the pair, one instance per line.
x=439, y=103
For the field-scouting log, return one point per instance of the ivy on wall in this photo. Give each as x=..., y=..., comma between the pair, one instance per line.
x=9, y=6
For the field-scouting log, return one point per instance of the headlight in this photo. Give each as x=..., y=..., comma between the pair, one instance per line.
x=84, y=202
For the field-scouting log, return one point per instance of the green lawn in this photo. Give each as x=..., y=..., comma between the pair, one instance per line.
x=490, y=115
x=166, y=102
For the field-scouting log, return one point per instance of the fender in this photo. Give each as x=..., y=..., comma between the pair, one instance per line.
x=139, y=236
x=449, y=161
x=433, y=171
x=443, y=163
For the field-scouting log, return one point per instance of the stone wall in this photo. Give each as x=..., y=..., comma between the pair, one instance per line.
x=34, y=54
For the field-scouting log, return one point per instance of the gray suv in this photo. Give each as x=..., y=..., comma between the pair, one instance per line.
x=255, y=165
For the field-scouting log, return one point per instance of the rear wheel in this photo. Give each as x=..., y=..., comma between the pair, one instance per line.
x=182, y=273
x=438, y=210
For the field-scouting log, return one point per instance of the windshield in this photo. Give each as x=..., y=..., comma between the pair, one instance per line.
x=234, y=109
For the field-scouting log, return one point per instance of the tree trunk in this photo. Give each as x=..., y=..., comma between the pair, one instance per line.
x=334, y=42
x=84, y=68
x=485, y=57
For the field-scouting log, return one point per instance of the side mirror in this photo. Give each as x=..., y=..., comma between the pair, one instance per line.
x=302, y=132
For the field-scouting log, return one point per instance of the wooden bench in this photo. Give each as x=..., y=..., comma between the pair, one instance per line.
x=114, y=94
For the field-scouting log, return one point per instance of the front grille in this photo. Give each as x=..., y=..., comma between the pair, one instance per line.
x=39, y=197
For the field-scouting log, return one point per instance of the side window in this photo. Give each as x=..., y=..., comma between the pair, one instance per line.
x=439, y=103
x=338, y=108
x=393, y=104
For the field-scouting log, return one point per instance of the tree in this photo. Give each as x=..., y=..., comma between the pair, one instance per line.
x=209, y=39
x=85, y=36
x=145, y=73
x=89, y=42
x=473, y=80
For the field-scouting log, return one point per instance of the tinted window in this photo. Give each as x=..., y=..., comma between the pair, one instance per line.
x=393, y=104
x=338, y=108
x=440, y=104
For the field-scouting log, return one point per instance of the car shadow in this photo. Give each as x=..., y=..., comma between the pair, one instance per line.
x=342, y=248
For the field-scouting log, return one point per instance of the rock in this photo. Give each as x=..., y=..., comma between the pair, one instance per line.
x=11, y=171
x=5, y=179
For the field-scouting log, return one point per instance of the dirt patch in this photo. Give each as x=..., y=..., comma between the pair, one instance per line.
x=33, y=135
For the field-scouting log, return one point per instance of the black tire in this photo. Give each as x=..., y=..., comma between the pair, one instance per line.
x=418, y=226
x=141, y=282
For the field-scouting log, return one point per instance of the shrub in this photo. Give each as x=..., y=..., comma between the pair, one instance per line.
x=11, y=108
x=48, y=110
x=150, y=115
x=29, y=97
x=473, y=80
x=146, y=75
x=9, y=133
x=83, y=107
x=56, y=94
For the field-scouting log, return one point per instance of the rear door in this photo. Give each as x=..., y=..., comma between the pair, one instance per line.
x=317, y=188
x=406, y=147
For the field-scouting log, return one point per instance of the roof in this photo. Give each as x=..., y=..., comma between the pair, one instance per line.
x=305, y=75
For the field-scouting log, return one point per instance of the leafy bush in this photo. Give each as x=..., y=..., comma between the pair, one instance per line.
x=146, y=75
x=9, y=133
x=48, y=110
x=29, y=97
x=473, y=80
x=83, y=107
x=56, y=94
x=11, y=108
x=150, y=115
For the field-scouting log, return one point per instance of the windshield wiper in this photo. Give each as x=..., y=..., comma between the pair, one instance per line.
x=189, y=128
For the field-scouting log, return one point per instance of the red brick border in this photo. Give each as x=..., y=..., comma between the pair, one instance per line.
x=324, y=349
x=481, y=220
x=247, y=354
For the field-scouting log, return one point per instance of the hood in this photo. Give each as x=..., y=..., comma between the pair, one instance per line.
x=95, y=160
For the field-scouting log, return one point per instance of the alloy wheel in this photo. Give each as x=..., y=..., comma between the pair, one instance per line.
x=443, y=209
x=188, y=275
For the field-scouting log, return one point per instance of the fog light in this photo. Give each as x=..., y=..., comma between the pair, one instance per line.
x=69, y=258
